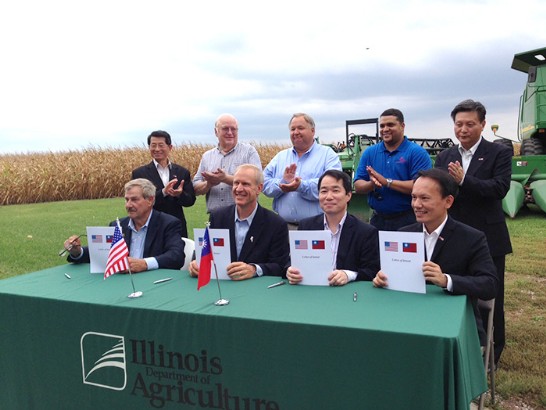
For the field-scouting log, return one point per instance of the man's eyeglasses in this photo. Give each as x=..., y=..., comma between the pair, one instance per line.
x=228, y=129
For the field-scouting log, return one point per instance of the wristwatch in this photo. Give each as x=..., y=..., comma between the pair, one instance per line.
x=389, y=182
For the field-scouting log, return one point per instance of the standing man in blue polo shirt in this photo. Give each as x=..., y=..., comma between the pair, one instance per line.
x=291, y=178
x=386, y=172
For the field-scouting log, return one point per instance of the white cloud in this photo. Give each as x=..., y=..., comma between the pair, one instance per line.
x=108, y=72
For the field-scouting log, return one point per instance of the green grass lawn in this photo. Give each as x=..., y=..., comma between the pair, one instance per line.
x=32, y=236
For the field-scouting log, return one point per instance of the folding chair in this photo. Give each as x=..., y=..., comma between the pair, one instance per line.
x=489, y=355
x=189, y=248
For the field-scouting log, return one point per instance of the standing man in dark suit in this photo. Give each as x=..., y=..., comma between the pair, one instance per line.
x=154, y=238
x=354, y=243
x=174, y=188
x=458, y=258
x=483, y=171
x=258, y=236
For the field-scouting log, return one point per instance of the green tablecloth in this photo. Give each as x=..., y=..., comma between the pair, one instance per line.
x=289, y=347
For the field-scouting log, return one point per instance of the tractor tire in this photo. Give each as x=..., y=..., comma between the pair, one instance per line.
x=531, y=146
x=506, y=143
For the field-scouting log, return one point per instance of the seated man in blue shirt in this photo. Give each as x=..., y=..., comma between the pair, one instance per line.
x=386, y=172
x=154, y=238
x=354, y=243
x=291, y=178
x=258, y=236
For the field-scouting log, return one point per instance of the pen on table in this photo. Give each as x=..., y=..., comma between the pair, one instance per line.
x=355, y=297
x=274, y=285
x=162, y=280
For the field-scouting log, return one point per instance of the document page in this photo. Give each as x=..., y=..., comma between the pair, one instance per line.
x=99, y=242
x=311, y=253
x=402, y=255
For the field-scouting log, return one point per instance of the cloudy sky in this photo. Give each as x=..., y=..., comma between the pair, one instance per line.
x=100, y=73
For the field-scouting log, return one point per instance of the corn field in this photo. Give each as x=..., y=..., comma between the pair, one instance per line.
x=91, y=173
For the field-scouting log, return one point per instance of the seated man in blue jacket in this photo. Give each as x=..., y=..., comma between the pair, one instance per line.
x=355, y=243
x=154, y=238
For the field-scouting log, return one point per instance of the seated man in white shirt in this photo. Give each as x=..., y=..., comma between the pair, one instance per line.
x=354, y=243
x=458, y=257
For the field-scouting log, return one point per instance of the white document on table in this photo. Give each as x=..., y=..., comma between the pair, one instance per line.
x=402, y=255
x=220, y=246
x=311, y=253
x=99, y=242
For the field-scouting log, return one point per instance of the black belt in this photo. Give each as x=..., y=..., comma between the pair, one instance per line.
x=393, y=215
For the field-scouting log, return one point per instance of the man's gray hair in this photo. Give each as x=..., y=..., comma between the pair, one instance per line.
x=308, y=119
x=148, y=188
x=257, y=172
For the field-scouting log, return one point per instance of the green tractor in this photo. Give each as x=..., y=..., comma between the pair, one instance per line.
x=349, y=152
x=528, y=185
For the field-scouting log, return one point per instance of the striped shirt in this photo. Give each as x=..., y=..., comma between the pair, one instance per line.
x=220, y=195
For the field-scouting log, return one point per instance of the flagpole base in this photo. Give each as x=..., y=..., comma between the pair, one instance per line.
x=135, y=295
x=221, y=302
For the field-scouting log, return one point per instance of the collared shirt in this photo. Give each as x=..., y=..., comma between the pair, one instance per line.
x=164, y=172
x=138, y=239
x=220, y=195
x=351, y=275
x=430, y=243
x=302, y=203
x=466, y=155
x=402, y=164
x=241, y=230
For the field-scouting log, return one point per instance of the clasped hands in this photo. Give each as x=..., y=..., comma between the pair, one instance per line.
x=376, y=178
x=335, y=278
x=235, y=270
x=291, y=181
x=215, y=177
x=171, y=191
x=456, y=170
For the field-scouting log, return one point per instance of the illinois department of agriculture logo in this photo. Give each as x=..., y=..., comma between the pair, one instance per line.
x=103, y=360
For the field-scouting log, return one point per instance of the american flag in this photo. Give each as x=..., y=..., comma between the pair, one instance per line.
x=300, y=244
x=391, y=246
x=96, y=238
x=117, y=257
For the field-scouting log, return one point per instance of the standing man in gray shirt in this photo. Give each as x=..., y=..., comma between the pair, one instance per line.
x=214, y=177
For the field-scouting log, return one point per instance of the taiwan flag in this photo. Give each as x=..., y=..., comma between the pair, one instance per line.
x=218, y=241
x=317, y=245
x=409, y=247
x=206, y=262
